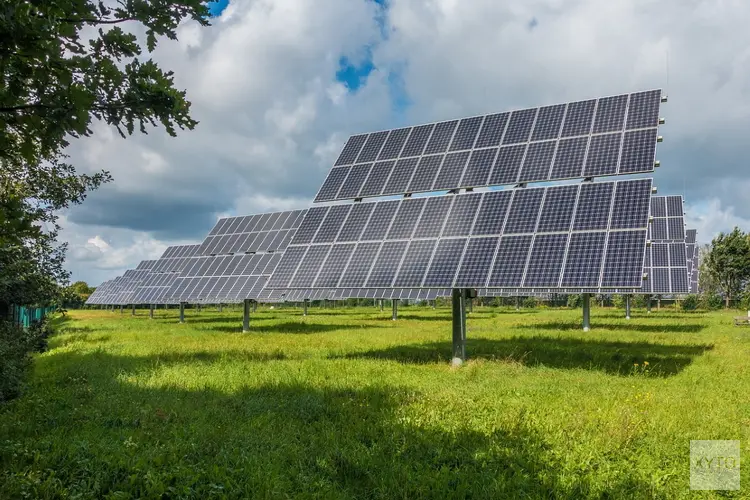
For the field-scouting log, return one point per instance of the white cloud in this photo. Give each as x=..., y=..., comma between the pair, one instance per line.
x=272, y=116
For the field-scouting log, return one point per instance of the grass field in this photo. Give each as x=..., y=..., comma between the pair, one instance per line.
x=346, y=403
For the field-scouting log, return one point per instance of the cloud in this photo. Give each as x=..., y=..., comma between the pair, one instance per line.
x=265, y=82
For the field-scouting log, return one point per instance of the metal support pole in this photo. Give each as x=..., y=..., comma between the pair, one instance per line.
x=113, y=308
x=471, y=305
x=132, y=311
x=433, y=303
x=627, y=307
x=246, y=316
x=151, y=311
x=220, y=308
x=459, y=327
x=586, y=312
x=304, y=307
x=182, y=312
x=394, y=314
x=255, y=306
x=518, y=303
x=648, y=304
x=381, y=305
x=199, y=308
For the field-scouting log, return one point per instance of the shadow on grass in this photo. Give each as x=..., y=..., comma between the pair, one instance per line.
x=629, y=326
x=287, y=327
x=275, y=440
x=616, y=358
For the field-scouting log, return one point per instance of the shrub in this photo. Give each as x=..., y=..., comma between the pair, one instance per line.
x=618, y=301
x=638, y=301
x=689, y=303
x=529, y=302
x=16, y=346
x=575, y=301
x=711, y=301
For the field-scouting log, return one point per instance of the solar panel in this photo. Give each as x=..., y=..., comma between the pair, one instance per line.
x=667, y=257
x=607, y=136
x=585, y=235
x=263, y=232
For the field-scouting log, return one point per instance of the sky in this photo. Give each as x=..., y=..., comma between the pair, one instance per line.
x=279, y=85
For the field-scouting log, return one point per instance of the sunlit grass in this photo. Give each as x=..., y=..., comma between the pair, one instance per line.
x=346, y=403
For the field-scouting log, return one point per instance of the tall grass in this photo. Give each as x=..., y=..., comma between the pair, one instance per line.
x=346, y=403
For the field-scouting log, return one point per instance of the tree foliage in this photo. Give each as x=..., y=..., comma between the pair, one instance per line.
x=65, y=64
x=728, y=263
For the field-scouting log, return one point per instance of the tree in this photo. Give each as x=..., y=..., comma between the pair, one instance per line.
x=65, y=64
x=728, y=263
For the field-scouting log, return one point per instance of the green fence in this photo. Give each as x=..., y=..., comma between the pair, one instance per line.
x=24, y=316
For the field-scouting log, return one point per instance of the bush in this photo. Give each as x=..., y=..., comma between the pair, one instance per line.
x=16, y=346
x=711, y=301
x=575, y=301
x=529, y=302
x=618, y=301
x=689, y=303
x=638, y=301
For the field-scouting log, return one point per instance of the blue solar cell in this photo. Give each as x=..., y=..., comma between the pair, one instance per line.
x=332, y=223
x=492, y=130
x=557, y=210
x=441, y=137
x=610, y=114
x=548, y=122
x=594, y=202
x=359, y=265
x=386, y=265
x=477, y=260
x=394, y=144
x=510, y=261
x=603, y=155
x=380, y=221
x=631, y=204
x=415, y=263
x=355, y=223
x=546, y=260
x=334, y=265
x=643, y=110
x=519, y=127
x=451, y=171
x=462, y=215
x=524, y=211
x=372, y=147
x=332, y=184
x=401, y=175
x=417, y=140
x=578, y=118
x=507, y=165
x=433, y=218
x=375, y=182
x=406, y=218
x=536, y=165
x=424, y=176
x=638, y=151
x=583, y=263
x=466, y=133
x=444, y=263
x=623, y=264
x=491, y=216
x=354, y=181
x=479, y=167
x=351, y=149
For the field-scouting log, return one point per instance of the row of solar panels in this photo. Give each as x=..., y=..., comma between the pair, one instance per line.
x=587, y=237
x=183, y=275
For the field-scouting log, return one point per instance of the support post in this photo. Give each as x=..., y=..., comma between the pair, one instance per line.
x=648, y=304
x=132, y=310
x=199, y=308
x=151, y=311
x=586, y=312
x=434, y=301
x=255, y=306
x=471, y=305
x=220, y=307
x=658, y=303
x=627, y=307
x=459, y=327
x=182, y=312
x=304, y=307
x=394, y=314
x=113, y=308
x=246, y=316
x=518, y=303
x=381, y=305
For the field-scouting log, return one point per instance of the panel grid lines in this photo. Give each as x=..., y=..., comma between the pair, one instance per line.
x=611, y=138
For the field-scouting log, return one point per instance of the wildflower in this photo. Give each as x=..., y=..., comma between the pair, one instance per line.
x=645, y=363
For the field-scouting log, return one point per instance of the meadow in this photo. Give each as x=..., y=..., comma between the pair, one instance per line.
x=346, y=403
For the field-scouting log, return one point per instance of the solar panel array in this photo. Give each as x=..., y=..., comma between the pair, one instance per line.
x=254, y=233
x=608, y=136
x=578, y=235
x=99, y=294
x=153, y=289
x=666, y=257
x=236, y=259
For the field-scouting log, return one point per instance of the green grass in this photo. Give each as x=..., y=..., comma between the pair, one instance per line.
x=346, y=403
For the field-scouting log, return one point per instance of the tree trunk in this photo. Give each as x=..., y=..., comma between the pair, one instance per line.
x=727, y=301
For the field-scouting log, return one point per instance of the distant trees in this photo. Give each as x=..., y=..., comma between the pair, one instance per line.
x=726, y=265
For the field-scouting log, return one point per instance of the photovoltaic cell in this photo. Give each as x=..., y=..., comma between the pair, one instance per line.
x=384, y=270
x=461, y=216
x=375, y=182
x=380, y=220
x=623, y=264
x=415, y=263
x=510, y=261
x=355, y=223
x=594, y=203
x=466, y=134
x=353, y=183
x=524, y=211
x=425, y=174
x=401, y=175
x=444, y=262
x=608, y=136
x=557, y=211
x=451, y=171
x=491, y=216
x=479, y=167
x=435, y=212
x=546, y=260
x=584, y=260
x=406, y=219
x=477, y=261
